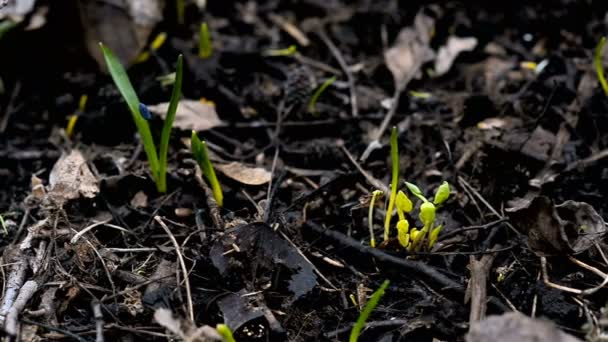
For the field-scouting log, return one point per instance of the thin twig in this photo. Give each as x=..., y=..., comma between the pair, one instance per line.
x=349, y=75
x=180, y=257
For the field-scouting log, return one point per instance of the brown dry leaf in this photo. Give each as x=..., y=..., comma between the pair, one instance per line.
x=71, y=178
x=567, y=228
x=411, y=50
x=191, y=115
x=139, y=200
x=448, y=52
x=122, y=25
x=38, y=190
x=244, y=174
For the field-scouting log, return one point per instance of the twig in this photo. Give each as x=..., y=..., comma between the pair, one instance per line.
x=180, y=257
x=349, y=75
x=56, y=329
x=98, y=315
x=86, y=229
x=12, y=318
x=411, y=265
x=477, y=289
x=291, y=29
x=371, y=179
x=14, y=282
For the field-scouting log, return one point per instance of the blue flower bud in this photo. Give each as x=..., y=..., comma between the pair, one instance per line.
x=145, y=112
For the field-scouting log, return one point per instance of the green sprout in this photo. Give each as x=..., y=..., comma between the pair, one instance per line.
x=599, y=67
x=205, y=49
x=312, y=104
x=394, y=182
x=199, y=150
x=180, y=9
x=291, y=50
x=404, y=205
x=369, y=307
x=3, y=224
x=157, y=161
x=427, y=216
x=370, y=216
x=225, y=333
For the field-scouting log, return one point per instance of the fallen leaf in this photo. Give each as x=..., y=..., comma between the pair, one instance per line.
x=122, y=25
x=191, y=115
x=568, y=228
x=140, y=200
x=245, y=174
x=187, y=331
x=448, y=52
x=16, y=10
x=411, y=50
x=515, y=327
x=71, y=178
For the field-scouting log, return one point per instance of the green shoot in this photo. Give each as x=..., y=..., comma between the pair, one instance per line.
x=3, y=224
x=225, y=333
x=427, y=215
x=369, y=307
x=121, y=79
x=312, y=104
x=599, y=67
x=168, y=125
x=291, y=50
x=180, y=9
x=370, y=216
x=394, y=182
x=199, y=150
x=205, y=49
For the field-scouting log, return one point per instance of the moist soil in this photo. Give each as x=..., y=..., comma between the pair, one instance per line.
x=290, y=259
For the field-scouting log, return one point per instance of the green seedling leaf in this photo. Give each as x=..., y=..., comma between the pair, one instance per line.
x=205, y=48
x=369, y=308
x=394, y=181
x=404, y=204
x=415, y=190
x=403, y=227
x=599, y=67
x=434, y=234
x=3, y=224
x=312, y=104
x=225, y=333
x=199, y=150
x=427, y=213
x=168, y=125
x=442, y=194
x=121, y=79
x=370, y=216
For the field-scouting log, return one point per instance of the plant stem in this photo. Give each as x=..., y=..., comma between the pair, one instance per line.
x=394, y=182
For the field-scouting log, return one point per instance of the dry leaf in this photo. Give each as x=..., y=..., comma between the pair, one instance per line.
x=71, y=178
x=187, y=331
x=448, y=53
x=122, y=25
x=411, y=50
x=244, y=174
x=140, y=200
x=16, y=10
x=570, y=227
x=191, y=115
x=515, y=327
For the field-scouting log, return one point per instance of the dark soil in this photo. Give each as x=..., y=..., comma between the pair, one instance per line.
x=278, y=243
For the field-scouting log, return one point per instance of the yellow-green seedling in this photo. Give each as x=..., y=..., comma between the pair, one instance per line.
x=199, y=151
x=3, y=224
x=394, y=182
x=180, y=10
x=290, y=51
x=370, y=216
x=599, y=67
x=224, y=331
x=364, y=315
x=404, y=205
x=157, y=160
x=312, y=104
x=205, y=48
x=427, y=215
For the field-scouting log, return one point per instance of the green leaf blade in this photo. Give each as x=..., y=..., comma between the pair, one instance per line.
x=121, y=79
x=369, y=308
x=168, y=125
